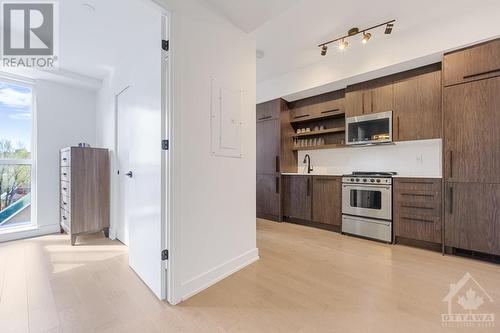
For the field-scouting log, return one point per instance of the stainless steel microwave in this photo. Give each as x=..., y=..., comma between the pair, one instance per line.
x=368, y=129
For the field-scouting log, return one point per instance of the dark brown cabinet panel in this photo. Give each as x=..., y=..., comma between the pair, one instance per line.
x=379, y=99
x=269, y=110
x=472, y=215
x=327, y=200
x=417, y=209
x=477, y=62
x=268, y=197
x=268, y=146
x=354, y=103
x=472, y=136
x=297, y=191
x=368, y=98
x=417, y=108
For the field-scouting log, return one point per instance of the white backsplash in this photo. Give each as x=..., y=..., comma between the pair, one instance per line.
x=409, y=159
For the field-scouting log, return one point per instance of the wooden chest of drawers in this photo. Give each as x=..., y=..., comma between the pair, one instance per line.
x=84, y=190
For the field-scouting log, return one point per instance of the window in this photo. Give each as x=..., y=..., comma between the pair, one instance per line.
x=16, y=166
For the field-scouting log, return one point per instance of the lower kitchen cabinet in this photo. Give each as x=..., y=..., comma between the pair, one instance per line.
x=418, y=209
x=297, y=190
x=268, y=197
x=327, y=200
x=472, y=217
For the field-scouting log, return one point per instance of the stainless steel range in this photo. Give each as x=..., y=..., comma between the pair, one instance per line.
x=367, y=205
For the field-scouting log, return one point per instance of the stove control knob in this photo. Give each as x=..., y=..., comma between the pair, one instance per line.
x=365, y=180
x=357, y=179
x=378, y=180
x=372, y=180
x=352, y=179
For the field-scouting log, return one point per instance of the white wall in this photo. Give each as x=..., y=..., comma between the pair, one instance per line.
x=409, y=159
x=213, y=202
x=65, y=117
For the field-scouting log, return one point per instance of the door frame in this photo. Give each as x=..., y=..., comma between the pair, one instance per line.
x=167, y=276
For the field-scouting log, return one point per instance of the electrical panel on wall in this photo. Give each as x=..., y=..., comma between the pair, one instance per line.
x=226, y=106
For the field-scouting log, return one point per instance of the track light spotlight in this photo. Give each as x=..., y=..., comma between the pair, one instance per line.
x=388, y=28
x=324, y=49
x=366, y=37
x=343, y=44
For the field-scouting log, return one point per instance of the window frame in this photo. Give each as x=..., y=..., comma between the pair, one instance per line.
x=32, y=161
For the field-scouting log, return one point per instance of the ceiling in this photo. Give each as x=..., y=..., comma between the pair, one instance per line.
x=93, y=35
x=251, y=14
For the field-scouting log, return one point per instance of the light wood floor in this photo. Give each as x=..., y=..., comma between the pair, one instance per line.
x=307, y=280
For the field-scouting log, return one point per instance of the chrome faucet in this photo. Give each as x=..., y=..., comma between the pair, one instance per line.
x=307, y=159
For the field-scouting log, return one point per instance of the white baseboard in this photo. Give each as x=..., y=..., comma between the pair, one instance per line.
x=28, y=232
x=216, y=274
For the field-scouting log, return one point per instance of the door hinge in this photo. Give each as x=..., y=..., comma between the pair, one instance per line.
x=164, y=144
x=164, y=44
x=164, y=255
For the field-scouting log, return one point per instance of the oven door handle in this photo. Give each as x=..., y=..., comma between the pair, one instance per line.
x=361, y=186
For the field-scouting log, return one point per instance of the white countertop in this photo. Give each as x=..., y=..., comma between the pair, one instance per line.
x=339, y=175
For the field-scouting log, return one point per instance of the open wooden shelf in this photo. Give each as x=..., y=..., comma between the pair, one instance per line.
x=325, y=131
x=327, y=146
x=322, y=116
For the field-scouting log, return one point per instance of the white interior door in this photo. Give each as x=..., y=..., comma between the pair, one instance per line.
x=123, y=160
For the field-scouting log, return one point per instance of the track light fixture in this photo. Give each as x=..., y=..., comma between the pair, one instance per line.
x=366, y=37
x=324, y=49
x=343, y=43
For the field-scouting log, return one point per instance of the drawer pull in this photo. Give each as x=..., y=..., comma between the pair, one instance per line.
x=418, y=194
x=416, y=219
x=334, y=110
x=414, y=206
x=302, y=116
x=416, y=182
x=264, y=118
x=481, y=73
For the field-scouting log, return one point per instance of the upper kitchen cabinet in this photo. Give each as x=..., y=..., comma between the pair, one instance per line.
x=370, y=97
x=472, y=139
x=474, y=63
x=417, y=105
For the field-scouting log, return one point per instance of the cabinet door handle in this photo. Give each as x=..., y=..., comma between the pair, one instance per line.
x=277, y=163
x=278, y=185
x=301, y=116
x=371, y=101
x=481, y=73
x=451, y=163
x=334, y=110
x=363, y=102
x=264, y=118
x=451, y=199
x=308, y=186
x=398, y=125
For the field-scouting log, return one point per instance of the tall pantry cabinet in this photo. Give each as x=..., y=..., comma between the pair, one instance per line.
x=274, y=156
x=471, y=111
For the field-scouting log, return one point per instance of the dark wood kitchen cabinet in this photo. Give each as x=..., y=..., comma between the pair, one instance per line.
x=274, y=155
x=297, y=192
x=472, y=135
x=327, y=200
x=268, y=196
x=417, y=107
x=418, y=209
x=474, y=63
x=472, y=217
x=370, y=97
